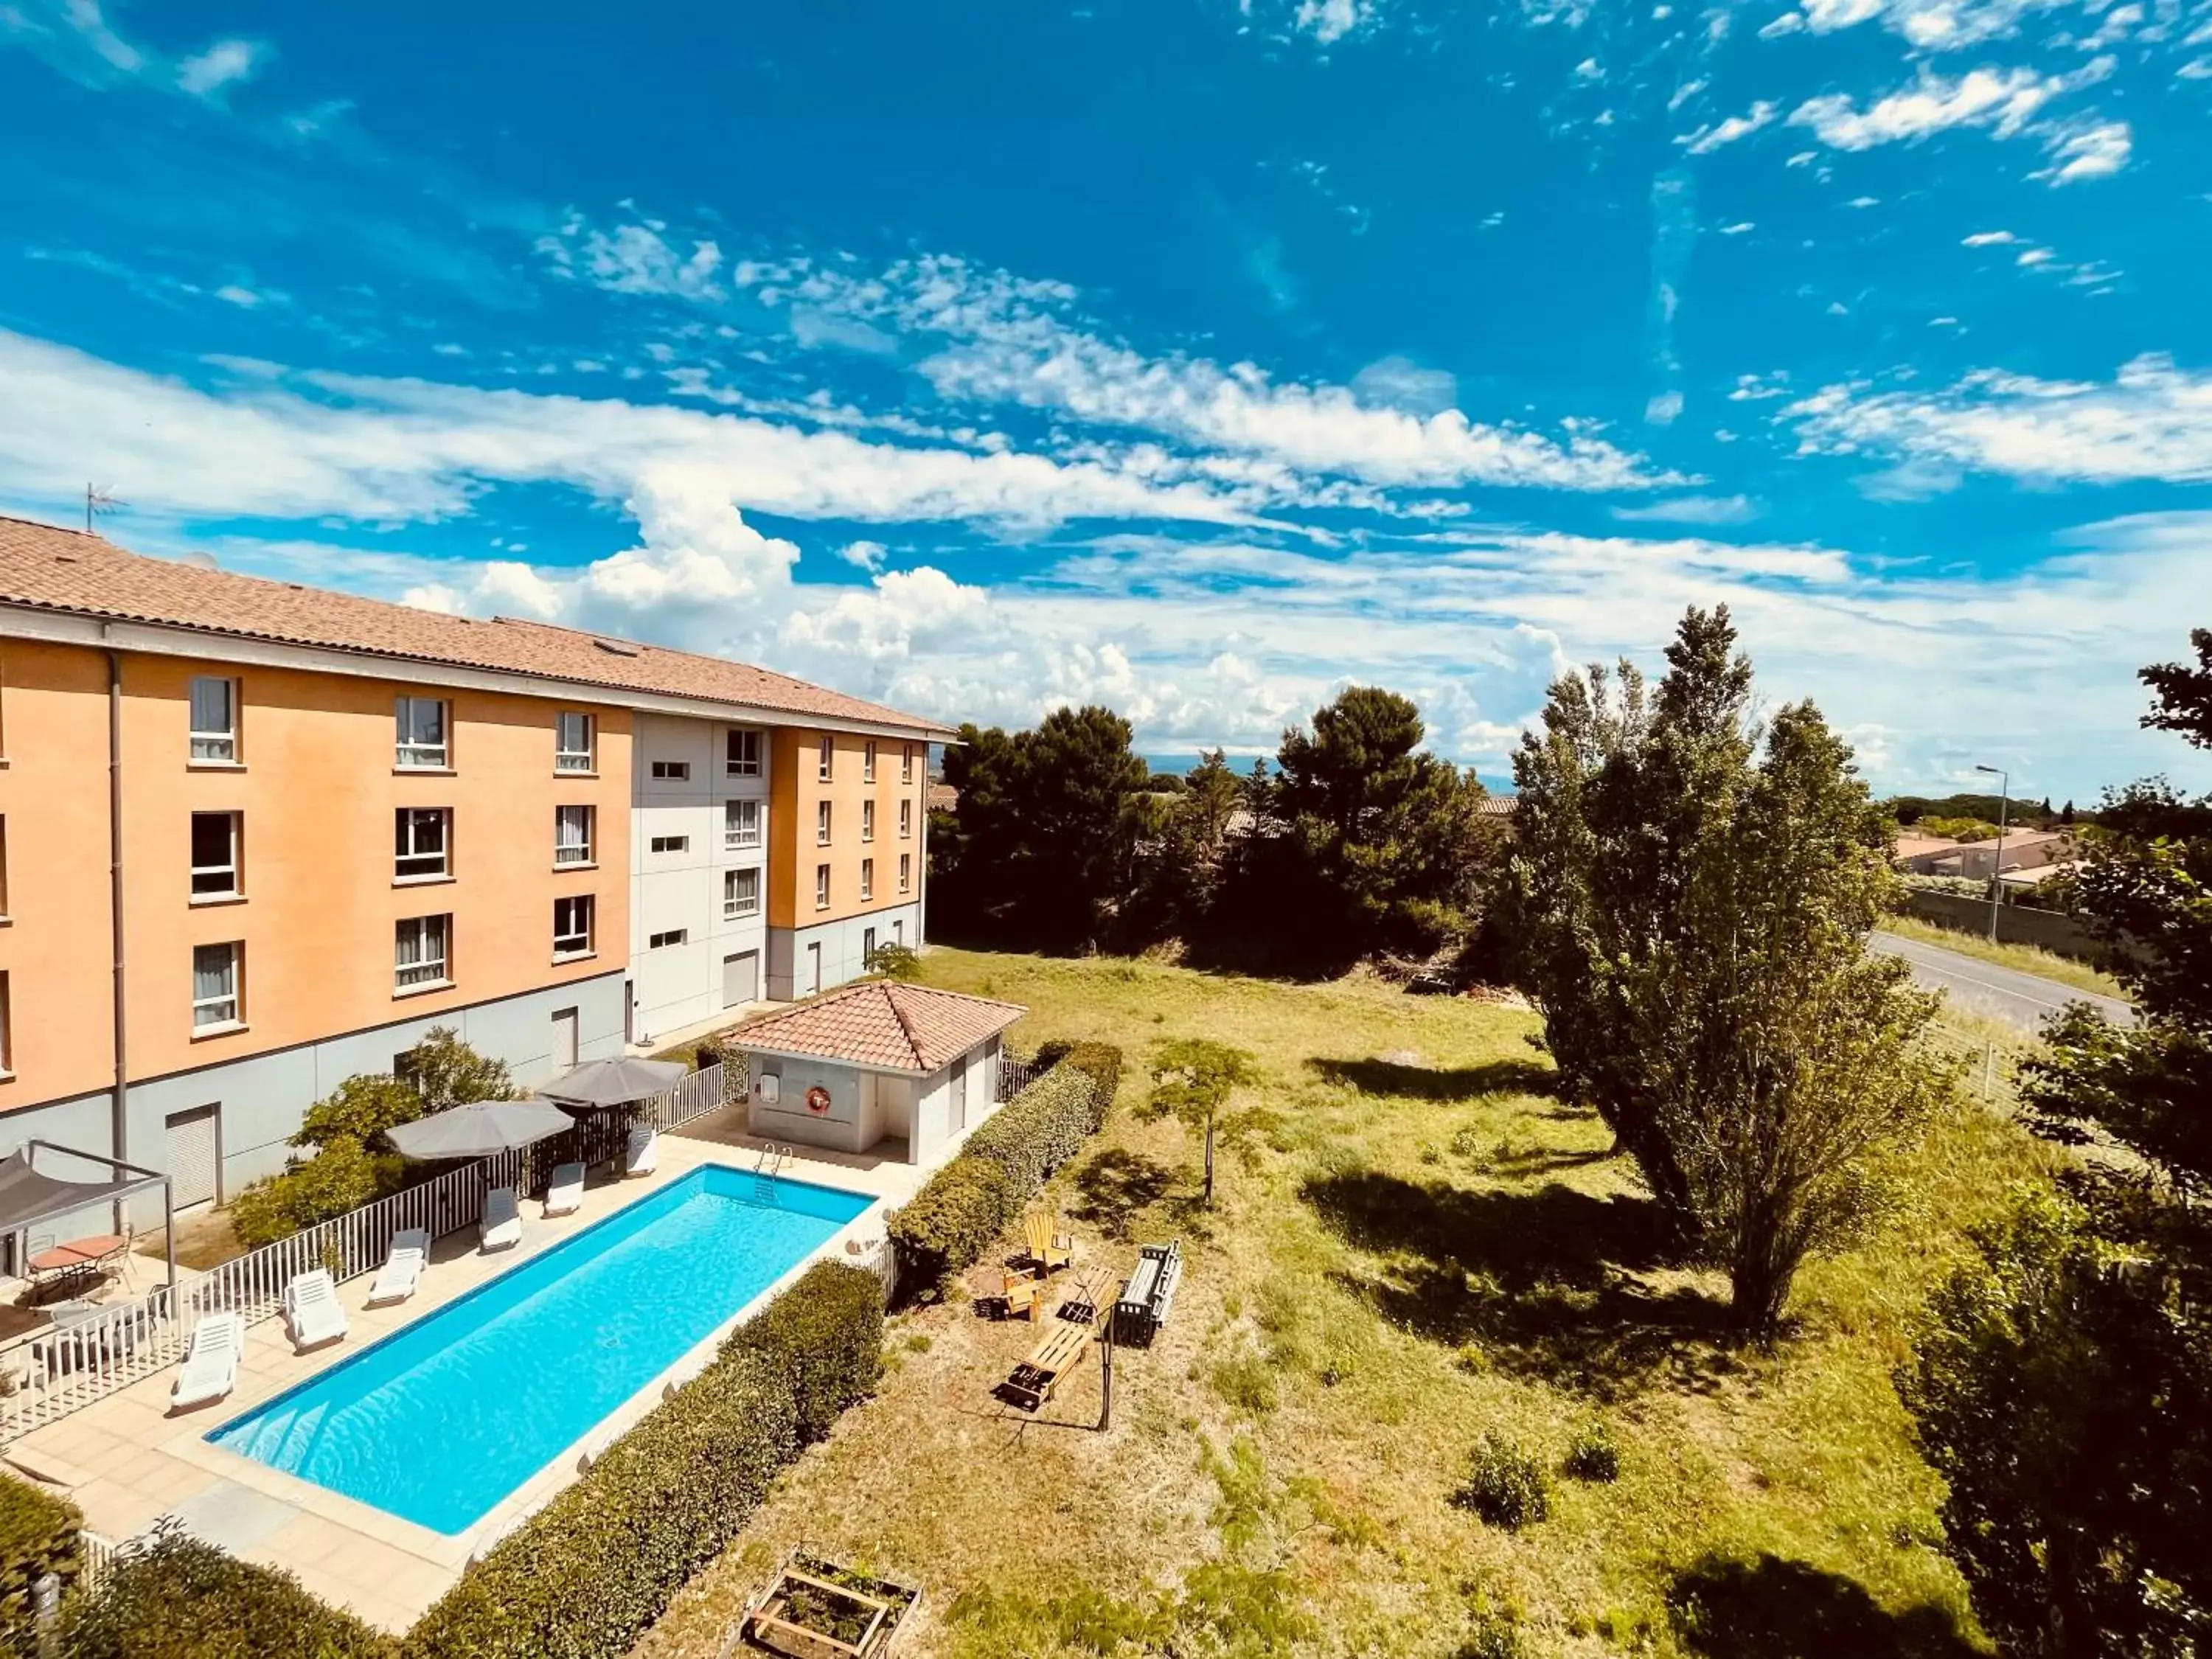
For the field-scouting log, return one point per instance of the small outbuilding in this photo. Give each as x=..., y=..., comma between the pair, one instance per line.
x=882, y=1061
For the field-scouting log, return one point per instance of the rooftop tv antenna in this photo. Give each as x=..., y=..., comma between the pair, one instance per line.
x=97, y=499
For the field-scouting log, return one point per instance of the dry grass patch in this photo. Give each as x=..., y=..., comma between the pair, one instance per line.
x=1431, y=1250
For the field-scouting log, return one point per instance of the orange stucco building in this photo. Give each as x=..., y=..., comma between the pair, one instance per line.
x=256, y=838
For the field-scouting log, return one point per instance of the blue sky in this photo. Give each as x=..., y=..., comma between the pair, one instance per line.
x=1197, y=358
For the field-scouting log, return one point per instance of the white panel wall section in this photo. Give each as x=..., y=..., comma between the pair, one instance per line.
x=844, y=948
x=679, y=888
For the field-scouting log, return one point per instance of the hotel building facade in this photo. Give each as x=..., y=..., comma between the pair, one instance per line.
x=256, y=838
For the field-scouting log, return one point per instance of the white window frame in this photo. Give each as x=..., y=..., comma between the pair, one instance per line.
x=7, y=1031
x=741, y=752
x=672, y=771
x=222, y=1011
x=736, y=903
x=867, y=820
x=211, y=746
x=906, y=820
x=906, y=762
x=426, y=971
x=575, y=942
x=741, y=824
x=661, y=845
x=585, y=853
x=233, y=867
x=906, y=873
x=868, y=761
x=868, y=879
x=567, y=758
x=821, y=818
x=822, y=887
x=825, y=764
x=403, y=833
x=674, y=936
x=409, y=754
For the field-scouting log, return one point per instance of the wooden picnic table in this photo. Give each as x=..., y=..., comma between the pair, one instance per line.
x=1048, y=1365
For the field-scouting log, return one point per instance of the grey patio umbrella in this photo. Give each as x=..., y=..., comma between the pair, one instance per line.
x=614, y=1082
x=480, y=1128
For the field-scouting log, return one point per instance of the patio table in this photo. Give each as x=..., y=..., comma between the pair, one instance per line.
x=63, y=1262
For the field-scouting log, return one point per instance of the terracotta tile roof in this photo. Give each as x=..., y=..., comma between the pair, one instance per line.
x=1498, y=807
x=884, y=1024
x=58, y=569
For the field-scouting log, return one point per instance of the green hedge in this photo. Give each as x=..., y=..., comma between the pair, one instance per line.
x=971, y=1200
x=584, y=1578
x=38, y=1536
x=174, y=1597
x=825, y=1336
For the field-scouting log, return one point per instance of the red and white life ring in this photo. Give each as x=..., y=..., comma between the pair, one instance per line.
x=818, y=1100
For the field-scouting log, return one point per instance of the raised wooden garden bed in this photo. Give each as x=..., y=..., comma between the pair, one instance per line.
x=812, y=1608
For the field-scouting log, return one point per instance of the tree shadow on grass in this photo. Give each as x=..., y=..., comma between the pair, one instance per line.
x=1539, y=1281
x=1117, y=1189
x=1771, y=1608
x=1375, y=1076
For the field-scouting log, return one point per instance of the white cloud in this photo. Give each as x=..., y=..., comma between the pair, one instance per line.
x=1738, y=228
x=1930, y=24
x=865, y=556
x=2034, y=256
x=1691, y=509
x=245, y=298
x=1400, y=383
x=1329, y=21
x=1707, y=139
x=634, y=259
x=2153, y=420
x=2093, y=152
x=223, y=65
x=1988, y=238
x=2002, y=99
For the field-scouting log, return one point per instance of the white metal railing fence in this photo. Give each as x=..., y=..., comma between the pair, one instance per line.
x=106, y=1349
x=96, y=1558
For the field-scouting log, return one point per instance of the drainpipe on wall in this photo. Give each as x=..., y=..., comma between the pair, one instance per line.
x=119, y=1124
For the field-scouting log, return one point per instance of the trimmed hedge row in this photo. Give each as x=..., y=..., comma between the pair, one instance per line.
x=38, y=1536
x=584, y=1577
x=971, y=1200
x=174, y=1597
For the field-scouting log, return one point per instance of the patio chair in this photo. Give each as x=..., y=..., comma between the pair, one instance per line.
x=210, y=1368
x=564, y=1194
x=313, y=1312
x=403, y=1268
x=644, y=1154
x=1049, y=1251
x=501, y=1229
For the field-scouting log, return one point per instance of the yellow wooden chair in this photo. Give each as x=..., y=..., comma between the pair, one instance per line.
x=1049, y=1251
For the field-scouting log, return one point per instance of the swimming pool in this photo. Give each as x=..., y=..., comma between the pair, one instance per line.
x=438, y=1422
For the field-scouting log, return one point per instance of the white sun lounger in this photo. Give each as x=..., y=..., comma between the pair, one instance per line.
x=644, y=1155
x=501, y=1226
x=311, y=1310
x=402, y=1269
x=211, y=1367
x=564, y=1193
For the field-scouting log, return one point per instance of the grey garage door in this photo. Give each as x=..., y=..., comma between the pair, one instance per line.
x=740, y=978
x=192, y=1150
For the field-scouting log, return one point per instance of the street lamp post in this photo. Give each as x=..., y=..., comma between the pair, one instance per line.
x=1997, y=868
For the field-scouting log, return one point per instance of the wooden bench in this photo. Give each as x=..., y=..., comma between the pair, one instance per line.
x=1060, y=1352
x=1149, y=1296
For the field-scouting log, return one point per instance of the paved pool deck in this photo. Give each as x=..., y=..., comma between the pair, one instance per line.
x=127, y=1461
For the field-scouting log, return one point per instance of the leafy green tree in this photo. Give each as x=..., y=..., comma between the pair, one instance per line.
x=447, y=1072
x=343, y=1176
x=1691, y=895
x=2064, y=1386
x=359, y=1111
x=1193, y=1081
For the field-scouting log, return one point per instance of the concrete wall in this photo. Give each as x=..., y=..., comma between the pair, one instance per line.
x=2016, y=924
x=844, y=945
x=679, y=985
x=263, y=1097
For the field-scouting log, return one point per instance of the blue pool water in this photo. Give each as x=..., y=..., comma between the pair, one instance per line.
x=437, y=1422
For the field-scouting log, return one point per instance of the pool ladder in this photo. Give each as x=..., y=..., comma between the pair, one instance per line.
x=766, y=1168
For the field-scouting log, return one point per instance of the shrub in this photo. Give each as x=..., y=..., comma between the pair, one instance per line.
x=171, y=1596
x=1040, y=1127
x=1592, y=1455
x=38, y=1536
x=825, y=1336
x=1103, y=1060
x=894, y=961
x=345, y=1176
x=1506, y=1486
x=959, y=1210
x=587, y=1574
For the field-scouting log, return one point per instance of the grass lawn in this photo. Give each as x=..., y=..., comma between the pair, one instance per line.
x=1431, y=1249
x=2020, y=958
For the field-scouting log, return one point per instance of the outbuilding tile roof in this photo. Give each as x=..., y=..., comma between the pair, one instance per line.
x=884, y=1024
x=56, y=569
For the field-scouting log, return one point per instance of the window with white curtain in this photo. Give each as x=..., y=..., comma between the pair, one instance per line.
x=216, y=1000
x=419, y=952
x=741, y=823
x=867, y=878
x=572, y=834
x=740, y=894
x=215, y=719
x=572, y=743
x=422, y=739
x=867, y=820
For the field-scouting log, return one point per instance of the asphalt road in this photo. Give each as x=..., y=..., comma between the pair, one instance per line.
x=1995, y=992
